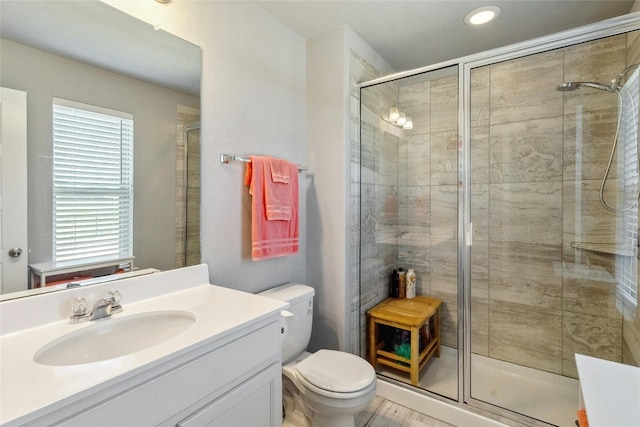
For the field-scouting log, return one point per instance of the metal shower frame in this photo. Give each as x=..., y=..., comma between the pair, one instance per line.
x=607, y=28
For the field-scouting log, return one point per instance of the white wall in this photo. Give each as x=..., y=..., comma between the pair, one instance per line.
x=330, y=220
x=328, y=188
x=253, y=102
x=265, y=92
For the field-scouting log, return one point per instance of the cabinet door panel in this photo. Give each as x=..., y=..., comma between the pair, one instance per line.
x=249, y=404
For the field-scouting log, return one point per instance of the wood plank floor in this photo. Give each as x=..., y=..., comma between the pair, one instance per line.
x=383, y=413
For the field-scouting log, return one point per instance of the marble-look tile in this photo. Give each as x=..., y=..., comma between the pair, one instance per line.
x=526, y=212
x=524, y=274
x=367, y=209
x=480, y=272
x=444, y=268
x=378, y=260
x=589, y=289
x=585, y=220
x=596, y=61
x=480, y=96
x=526, y=151
x=480, y=155
x=480, y=326
x=592, y=336
x=444, y=212
x=402, y=162
x=444, y=157
x=360, y=70
x=367, y=159
x=529, y=336
x=633, y=48
x=418, y=160
x=414, y=252
x=420, y=116
x=448, y=318
x=386, y=206
x=415, y=94
x=525, y=88
x=386, y=157
x=480, y=212
x=588, y=139
x=414, y=206
x=444, y=104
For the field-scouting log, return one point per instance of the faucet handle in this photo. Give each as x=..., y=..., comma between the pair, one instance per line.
x=79, y=310
x=116, y=301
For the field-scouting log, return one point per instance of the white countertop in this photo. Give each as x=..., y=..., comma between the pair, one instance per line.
x=609, y=391
x=27, y=387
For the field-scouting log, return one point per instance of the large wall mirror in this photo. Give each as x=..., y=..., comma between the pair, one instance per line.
x=88, y=53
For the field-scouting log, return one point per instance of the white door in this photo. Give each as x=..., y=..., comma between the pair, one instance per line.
x=13, y=191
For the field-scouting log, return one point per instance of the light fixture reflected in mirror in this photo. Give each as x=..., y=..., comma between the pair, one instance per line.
x=398, y=118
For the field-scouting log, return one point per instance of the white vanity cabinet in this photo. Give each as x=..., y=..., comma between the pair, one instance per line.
x=226, y=384
x=224, y=370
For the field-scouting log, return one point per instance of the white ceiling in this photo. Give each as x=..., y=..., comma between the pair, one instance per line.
x=407, y=34
x=412, y=34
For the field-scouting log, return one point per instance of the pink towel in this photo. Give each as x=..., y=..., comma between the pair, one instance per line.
x=271, y=238
x=277, y=190
x=280, y=170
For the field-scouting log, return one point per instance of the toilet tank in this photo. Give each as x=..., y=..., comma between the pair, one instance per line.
x=297, y=327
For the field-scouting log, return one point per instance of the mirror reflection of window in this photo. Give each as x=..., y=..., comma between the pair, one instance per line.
x=92, y=183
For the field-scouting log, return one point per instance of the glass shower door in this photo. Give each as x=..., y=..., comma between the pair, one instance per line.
x=548, y=261
x=409, y=209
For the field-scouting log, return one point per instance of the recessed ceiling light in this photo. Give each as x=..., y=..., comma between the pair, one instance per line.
x=482, y=15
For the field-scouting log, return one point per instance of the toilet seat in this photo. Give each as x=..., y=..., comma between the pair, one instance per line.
x=336, y=374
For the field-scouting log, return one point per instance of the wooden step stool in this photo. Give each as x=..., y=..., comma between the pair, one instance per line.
x=409, y=315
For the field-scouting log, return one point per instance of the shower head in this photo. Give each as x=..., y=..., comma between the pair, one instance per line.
x=570, y=86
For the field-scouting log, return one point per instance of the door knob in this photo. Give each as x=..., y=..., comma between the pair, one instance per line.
x=15, y=252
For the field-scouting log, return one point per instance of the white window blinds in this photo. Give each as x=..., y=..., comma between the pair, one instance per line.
x=92, y=183
x=627, y=265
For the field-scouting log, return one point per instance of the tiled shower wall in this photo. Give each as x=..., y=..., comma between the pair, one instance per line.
x=428, y=193
x=544, y=282
x=538, y=296
x=372, y=289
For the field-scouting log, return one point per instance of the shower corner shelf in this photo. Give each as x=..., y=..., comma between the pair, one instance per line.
x=409, y=315
x=603, y=248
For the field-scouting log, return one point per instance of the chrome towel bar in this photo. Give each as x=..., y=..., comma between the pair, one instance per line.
x=226, y=158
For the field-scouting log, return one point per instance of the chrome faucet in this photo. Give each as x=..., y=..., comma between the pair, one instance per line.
x=104, y=307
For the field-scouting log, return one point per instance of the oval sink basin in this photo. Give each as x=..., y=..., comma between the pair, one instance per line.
x=114, y=337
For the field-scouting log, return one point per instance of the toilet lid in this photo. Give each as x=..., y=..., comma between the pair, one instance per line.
x=336, y=371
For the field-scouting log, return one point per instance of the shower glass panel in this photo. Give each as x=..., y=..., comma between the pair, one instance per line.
x=409, y=214
x=192, y=205
x=553, y=272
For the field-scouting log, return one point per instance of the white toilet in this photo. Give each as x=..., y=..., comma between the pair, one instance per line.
x=326, y=388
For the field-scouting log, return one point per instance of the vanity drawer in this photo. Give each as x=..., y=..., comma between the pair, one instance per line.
x=171, y=396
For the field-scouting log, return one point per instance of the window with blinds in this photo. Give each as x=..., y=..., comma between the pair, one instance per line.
x=627, y=265
x=92, y=183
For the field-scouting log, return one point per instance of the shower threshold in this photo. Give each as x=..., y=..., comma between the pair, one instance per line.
x=542, y=395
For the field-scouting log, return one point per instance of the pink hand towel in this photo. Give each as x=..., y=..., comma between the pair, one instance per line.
x=277, y=188
x=280, y=170
x=271, y=238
